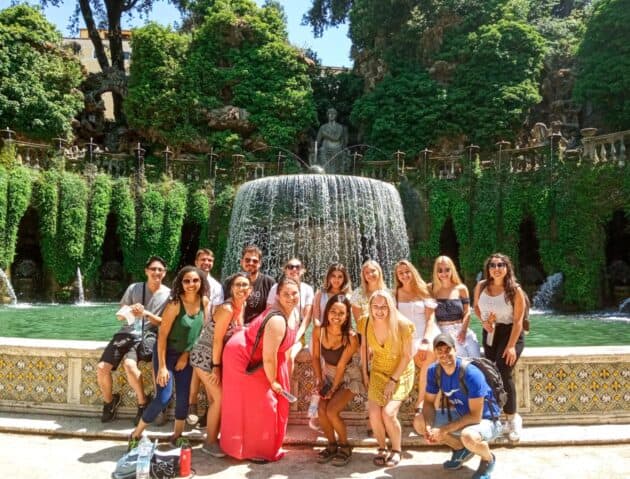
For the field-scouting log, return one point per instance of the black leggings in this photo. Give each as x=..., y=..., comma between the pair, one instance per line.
x=494, y=353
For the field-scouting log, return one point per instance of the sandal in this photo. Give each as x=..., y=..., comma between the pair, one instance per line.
x=381, y=457
x=393, y=459
x=327, y=454
x=344, y=452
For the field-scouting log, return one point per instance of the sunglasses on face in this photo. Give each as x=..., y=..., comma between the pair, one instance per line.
x=191, y=281
x=251, y=260
x=156, y=269
x=496, y=265
x=444, y=270
x=294, y=266
x=241, y=285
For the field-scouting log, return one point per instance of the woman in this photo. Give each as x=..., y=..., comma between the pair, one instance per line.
x=295, y=270
x=452, y=312
x=500, y=304
x=371, y=280
x=182, y=321
x=335, y=345
x=254, y=412
x=389, y=336
x=337, y=281
x=206, y=354
x=415, y=302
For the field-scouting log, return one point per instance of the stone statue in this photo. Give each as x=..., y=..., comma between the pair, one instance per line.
x=332, y=138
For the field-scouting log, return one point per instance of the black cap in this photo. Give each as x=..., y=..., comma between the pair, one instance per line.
x=444, y=339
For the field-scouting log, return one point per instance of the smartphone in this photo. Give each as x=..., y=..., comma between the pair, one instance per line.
x=290, y=397
x=325, y=389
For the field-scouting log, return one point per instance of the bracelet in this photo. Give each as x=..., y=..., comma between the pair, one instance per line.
x=395, y=381
x=419, y=410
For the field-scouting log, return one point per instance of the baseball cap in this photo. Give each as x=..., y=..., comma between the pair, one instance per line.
x=444, y=339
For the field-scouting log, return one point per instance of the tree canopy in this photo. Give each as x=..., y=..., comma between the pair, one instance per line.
x=38, y=78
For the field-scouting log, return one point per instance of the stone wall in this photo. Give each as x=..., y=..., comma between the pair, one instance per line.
x=588, y=385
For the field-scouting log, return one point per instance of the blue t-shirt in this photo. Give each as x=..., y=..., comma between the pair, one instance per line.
x=475, y=382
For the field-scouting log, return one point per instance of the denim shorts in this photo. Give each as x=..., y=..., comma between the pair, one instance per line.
x=487, y=428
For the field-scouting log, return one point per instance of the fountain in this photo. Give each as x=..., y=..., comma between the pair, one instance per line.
x=624, y=306
x=546, y=294
x=319, y=219
x=81, y=298
x=7, y=284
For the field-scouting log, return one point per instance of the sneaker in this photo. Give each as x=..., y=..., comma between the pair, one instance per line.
x=458, y=459
x=516, y=428
x=110, y=409
x=485, y=469
x=213, y=449
x=132, y=443
x=193, y=417
x=141, y=409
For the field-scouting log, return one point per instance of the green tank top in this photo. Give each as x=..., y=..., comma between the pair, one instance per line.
x=185, y=330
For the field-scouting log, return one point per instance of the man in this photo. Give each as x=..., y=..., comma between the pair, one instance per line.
x=251, y=261
x=475, y=419
x=146, y=302
x=204, y=260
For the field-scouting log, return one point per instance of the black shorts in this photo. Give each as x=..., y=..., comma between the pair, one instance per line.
x=122, y=344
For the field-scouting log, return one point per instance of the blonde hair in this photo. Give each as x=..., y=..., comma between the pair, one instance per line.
x=395, y=320
x=381, y=281
x=455, y=279
x=418, y=286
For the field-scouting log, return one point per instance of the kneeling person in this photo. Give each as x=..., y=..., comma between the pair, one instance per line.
x=475, y=419
x=147, y=301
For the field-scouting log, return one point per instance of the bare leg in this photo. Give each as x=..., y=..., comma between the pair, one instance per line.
x=214, y=393
x=337, y=404
x=392, y=425
x=193, y=397
x=324, y=421
x=376, y=422
x=104, y=380
x=473, y=442
x=134, y=377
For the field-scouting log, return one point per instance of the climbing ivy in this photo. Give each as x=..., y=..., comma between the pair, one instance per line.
x=124, y=209
x=18, y=196
x=98, y=208
x=198, y=212
x=174, y=211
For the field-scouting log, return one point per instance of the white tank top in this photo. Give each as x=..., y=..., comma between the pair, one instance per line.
x=501, y=307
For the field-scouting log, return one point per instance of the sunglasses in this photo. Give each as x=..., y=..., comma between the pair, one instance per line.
x=496, y=265
x=251, y=260
x=294, y=266
x=156, y=269
x=191, y=281
x=444, y=270
x=241, y=285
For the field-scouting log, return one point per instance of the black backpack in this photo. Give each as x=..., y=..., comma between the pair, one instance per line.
x=489, y=371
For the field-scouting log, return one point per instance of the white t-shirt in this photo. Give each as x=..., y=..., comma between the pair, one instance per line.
x=216, y=292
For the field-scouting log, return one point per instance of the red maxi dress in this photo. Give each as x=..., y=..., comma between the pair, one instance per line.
x=253, y=417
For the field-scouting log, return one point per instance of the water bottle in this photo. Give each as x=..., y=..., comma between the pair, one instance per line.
x=313, y=406
x=145, y=451
x=137, y=325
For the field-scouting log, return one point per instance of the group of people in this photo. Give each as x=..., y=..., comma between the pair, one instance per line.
x=240, y=341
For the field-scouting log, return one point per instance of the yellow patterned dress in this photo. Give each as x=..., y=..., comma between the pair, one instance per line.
x=385, y=360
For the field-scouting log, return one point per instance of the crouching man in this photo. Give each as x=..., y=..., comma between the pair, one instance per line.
x=472, y=423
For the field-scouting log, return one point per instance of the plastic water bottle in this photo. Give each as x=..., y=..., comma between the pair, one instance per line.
x=313, y=406
x=145, y=451
x=137, y=325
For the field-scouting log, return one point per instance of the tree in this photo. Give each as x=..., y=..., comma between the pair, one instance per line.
x=603, y=58
x=108, y=14
x=38, y=78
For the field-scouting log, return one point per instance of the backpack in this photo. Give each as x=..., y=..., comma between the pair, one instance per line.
x=489, y=371
x=527, y=305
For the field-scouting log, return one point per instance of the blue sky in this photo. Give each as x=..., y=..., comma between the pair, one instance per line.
x=333, y=48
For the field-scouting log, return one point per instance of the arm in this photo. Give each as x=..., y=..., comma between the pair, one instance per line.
x=316, y=312
x=517, y=326
x=405, y=357
x=463, y=294
x=272, y=337
x=475, y=406
x=428, y=414
x=316, y=356
x=427, y=334
x=363, y=354
x=488, y=320
x=222, y=317
x=168, y=318
x=346, y=357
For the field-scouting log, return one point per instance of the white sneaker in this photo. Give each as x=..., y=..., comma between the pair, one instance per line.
x=516, y=428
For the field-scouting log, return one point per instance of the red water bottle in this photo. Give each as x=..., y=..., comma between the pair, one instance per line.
x=185, y=460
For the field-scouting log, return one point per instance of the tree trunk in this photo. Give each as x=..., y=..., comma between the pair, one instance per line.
x=114, y=13
x=99, y=49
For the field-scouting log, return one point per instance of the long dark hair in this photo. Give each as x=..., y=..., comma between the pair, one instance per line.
x=346, y=287
x=510, y=284
x=345, y=327
x=178, y=287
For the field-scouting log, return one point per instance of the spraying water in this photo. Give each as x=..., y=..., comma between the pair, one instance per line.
x=544, y=297
x=81, y=298
x=319, y=219
x=8, y=286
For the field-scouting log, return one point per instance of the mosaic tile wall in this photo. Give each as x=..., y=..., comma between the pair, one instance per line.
x=551, y=389
x=37, y=379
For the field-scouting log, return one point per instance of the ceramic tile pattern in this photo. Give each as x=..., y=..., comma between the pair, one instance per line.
x=37, y=379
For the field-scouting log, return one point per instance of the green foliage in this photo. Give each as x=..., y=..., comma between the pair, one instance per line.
x=238, y=56
x=604, y=63
x=38, y=79
x=8, y=155
x=220, y=223
x=19, y=190
x=123, y=207
x=174, y=212
x=335, y=90
x=149, y=230
x=98, y=208
x=198, y=212
x=46, y=196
